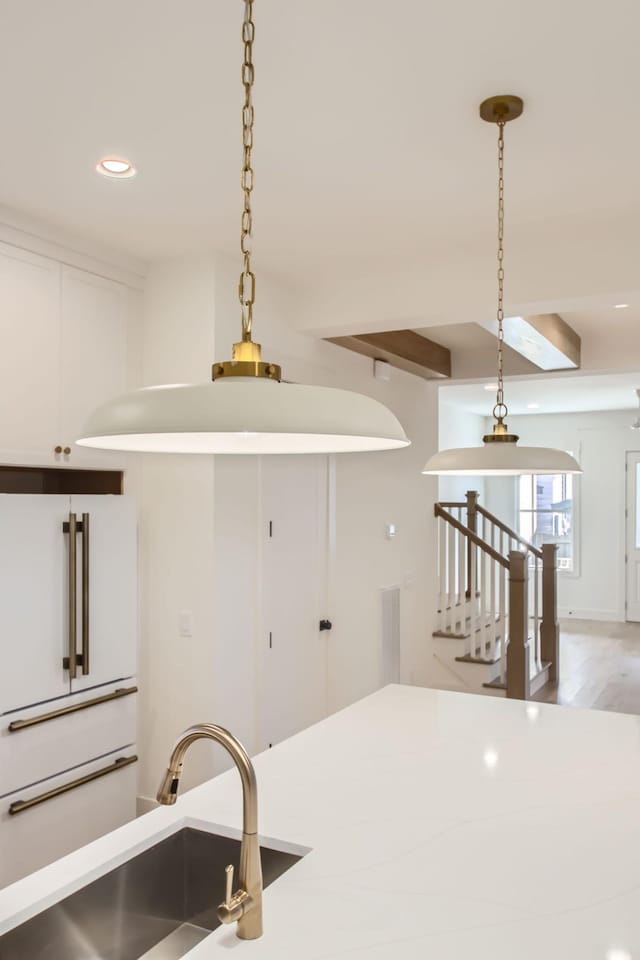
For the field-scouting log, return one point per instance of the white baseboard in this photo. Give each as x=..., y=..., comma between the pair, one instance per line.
x=581, y=613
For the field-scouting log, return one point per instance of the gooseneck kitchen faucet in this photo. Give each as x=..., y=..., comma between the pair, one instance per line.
x=245, y=905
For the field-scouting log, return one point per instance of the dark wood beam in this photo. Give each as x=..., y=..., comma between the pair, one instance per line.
x=404, y=349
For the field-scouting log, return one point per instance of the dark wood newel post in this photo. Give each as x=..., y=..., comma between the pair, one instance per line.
x=518, y=663
x=550, y=628
x=472, y=524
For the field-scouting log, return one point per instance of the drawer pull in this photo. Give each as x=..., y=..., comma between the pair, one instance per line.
x=19, y=806
x=17, y=725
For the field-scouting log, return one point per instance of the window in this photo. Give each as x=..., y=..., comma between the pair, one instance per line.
x=546, y=514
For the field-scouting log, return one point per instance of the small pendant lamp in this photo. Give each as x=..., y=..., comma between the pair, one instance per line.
x=245, y=408
x=500, y=454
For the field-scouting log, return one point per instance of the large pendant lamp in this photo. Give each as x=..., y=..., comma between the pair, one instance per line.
x=245, y=408
x=500, y=454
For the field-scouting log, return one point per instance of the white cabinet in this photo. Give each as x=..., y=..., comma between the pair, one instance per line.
x=65, y=336
x=33, y=591
x=30, y=355
x=111, y=618
x=40, y=620
x=47, y=820
x=39, y=742
x=93, y=356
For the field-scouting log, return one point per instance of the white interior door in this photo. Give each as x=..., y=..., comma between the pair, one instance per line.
x=33, y=599
x=110, y=635
x=633, y=537
x=294, y=594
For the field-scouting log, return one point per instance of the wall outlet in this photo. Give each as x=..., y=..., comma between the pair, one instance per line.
x=185, y=623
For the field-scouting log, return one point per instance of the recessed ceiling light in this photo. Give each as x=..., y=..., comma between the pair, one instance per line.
x=533, y=406
x=490, y=758
x=621, y=306
x=116, y=167
x=618, y=954
x=491, y=386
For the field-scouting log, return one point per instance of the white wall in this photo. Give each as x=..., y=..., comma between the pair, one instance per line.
x=175, y=498
x=600, y=442
x=199, y=520
x=459, y=428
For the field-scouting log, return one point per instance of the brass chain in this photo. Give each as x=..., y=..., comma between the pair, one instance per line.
x=500, y=410
x=247, y=284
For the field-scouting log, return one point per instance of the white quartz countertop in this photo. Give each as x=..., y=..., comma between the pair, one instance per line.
x=440, y=825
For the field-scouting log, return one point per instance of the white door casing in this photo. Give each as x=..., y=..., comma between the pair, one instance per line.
x=633, y=537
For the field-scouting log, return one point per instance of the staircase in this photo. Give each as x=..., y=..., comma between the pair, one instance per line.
x=497, y=605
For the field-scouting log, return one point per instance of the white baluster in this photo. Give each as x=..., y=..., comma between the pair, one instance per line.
x=536, y=614
x=483, y=635
x=451, y=577
x=442, y=605
x=473, y=604
x=462, y=576
x=504, y=626
x=492, y=607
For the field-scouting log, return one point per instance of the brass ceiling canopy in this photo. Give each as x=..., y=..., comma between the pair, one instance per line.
x=501, y=109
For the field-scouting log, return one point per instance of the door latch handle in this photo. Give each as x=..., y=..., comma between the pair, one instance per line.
x=326, y=625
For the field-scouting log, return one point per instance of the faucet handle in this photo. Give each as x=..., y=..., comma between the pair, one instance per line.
x=228, y=885
x=234, y=904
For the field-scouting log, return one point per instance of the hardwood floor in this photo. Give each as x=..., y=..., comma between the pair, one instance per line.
x=599, y=667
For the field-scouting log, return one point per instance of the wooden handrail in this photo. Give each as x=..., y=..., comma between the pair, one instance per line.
x=530, y=547
x=514, y=536
x=473, y=537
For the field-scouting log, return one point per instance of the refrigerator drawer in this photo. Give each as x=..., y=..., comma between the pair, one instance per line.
x=50, y=819
x=42, y=741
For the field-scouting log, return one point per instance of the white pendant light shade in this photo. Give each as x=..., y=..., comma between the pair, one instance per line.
x=500, y=460
x=238, y=415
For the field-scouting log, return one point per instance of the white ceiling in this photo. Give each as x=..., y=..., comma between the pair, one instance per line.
x=556, y=394
x=367, y=136
x=375, y=178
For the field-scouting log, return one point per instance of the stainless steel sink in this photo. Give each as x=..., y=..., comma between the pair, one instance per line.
x=156, y=906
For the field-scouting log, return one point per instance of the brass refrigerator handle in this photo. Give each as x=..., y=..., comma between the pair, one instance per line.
x=19, y=806
x=72, y=665
x=85, y=593
x=17, y=725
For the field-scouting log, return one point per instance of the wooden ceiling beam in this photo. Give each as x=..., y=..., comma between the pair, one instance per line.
x=545, y=340
x=404, y=349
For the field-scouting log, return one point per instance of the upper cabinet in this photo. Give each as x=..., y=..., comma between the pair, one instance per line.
x=65, y=335
x=30, y=354
x=93, y=347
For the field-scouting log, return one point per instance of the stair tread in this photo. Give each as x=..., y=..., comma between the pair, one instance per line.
x=497, y=684
x=468, y=658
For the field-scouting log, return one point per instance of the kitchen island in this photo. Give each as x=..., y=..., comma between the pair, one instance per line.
x=438, y=824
